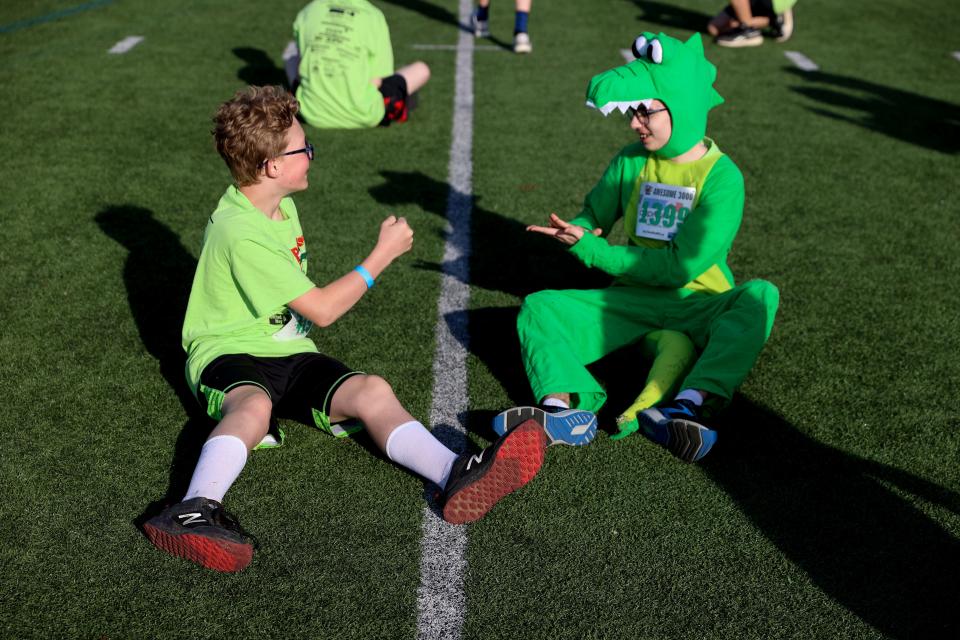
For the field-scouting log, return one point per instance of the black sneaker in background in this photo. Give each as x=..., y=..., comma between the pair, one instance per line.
x=741, y=37
x=201, y=531
x=477, y=482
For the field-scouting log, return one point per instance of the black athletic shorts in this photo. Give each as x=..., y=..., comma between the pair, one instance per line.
x=759, y=8
x=395, y=103
x=300, y=386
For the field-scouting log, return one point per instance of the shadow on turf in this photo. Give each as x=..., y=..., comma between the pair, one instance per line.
x=260, y=69
x=839, y=518
x=503, y=257
x=903, y=115
x=672, y=16
x=157, y=275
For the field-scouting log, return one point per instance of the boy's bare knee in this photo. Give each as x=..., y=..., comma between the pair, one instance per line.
x=372, y=388
x=359, y=395
x=249, y=401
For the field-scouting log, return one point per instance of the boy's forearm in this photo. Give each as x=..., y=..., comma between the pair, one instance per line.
x=377, y=262
x=325, y=305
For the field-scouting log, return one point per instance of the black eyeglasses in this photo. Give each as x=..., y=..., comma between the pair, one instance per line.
x=642, y=114
x=307, y=150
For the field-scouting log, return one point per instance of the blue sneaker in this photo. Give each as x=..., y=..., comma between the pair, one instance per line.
x=675, y=426
x=562, y=426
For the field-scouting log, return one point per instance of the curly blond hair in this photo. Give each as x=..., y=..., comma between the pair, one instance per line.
x=251, y=128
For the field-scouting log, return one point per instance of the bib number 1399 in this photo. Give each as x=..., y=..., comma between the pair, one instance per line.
x=658, y=214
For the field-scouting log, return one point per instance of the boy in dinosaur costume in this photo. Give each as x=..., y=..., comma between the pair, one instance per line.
x=681, y=199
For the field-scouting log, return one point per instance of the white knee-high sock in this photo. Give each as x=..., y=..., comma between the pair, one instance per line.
x=412, y=446
x=221, y=461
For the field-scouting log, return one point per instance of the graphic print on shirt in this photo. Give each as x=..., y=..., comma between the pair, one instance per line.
x=662, y=208
x=294, y=325
x=300, y=254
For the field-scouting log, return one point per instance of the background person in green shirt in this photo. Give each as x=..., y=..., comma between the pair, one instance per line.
x=341, y=67
x=741, y=23
x=249, y=358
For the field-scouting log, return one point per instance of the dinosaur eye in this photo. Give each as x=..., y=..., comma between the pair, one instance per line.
x=656, y=51
x=650, y=49
x=639, y=47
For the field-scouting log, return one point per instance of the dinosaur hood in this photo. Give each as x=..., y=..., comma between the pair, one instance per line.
x=676, y=73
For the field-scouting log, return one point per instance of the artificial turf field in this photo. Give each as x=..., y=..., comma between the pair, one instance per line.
x=830, y=506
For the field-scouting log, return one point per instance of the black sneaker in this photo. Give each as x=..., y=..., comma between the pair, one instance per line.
x=479, y=481
x=741, y=37
x=201, y=531
x=781, y=26
x=676, y=427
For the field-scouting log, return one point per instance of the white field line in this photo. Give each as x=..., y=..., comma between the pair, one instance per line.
x=801, y=61
x=628, y=55
x=453, y=47
x=441, y=600
x=956, y=54
x=126, y=44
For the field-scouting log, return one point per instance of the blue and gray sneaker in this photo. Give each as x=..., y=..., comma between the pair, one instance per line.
x=563, y=426
x=675, y=426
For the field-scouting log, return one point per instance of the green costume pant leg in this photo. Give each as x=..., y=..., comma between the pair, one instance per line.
x=563, y=331
x=731, y=329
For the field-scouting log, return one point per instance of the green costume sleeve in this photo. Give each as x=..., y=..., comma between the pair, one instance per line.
x=602, y=206
x=703, y=241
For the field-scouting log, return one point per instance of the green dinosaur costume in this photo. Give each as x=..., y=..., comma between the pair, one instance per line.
x=680, y=219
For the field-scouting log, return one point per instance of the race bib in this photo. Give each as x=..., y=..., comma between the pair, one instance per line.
x=296, y=327
x=662, y=208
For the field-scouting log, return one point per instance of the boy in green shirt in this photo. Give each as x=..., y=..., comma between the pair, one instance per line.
x=681, y=200
x=341, y=67
x=249, y=359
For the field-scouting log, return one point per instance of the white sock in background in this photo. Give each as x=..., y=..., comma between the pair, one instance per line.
x=555, y=402
x=221, y=461
x=415, y=448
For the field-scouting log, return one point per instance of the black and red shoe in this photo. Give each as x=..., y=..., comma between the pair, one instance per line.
x=201, y=531
x=479, y=481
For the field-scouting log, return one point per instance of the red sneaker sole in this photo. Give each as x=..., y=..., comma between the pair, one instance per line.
x=219, y=555
x=517, y=461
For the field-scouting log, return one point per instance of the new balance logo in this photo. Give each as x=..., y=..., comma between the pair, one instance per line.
x=477, y=458
x=191, y=518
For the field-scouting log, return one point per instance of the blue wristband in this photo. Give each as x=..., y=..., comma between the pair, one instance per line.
x=366, y=275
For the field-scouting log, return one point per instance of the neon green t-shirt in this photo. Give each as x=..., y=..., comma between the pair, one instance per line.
x=250, y=267
x=343, y=45
x=779, y=6
x=681, y=219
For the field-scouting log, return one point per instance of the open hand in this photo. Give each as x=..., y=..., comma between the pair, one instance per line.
x=568, y=234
